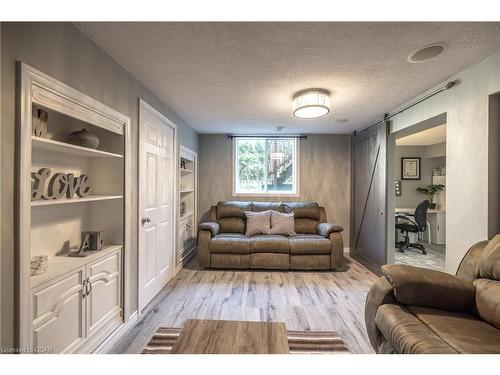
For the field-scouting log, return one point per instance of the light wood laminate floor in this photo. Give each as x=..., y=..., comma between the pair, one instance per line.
x=316, y=301
x=435, y=259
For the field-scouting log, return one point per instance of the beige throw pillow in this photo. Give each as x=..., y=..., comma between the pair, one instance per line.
x=258, y=222
x=283, y=224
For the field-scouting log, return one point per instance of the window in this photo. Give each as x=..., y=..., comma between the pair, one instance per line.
x=265, y=166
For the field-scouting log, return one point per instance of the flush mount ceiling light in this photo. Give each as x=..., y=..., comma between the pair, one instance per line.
x=312, y=103
x=427, y=53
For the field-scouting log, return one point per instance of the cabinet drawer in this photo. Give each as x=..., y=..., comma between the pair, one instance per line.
x=110, y=265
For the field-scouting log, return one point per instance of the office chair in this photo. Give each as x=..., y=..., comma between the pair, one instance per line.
x=419, y=224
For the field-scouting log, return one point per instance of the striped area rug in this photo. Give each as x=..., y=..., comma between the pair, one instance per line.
x=306, y=342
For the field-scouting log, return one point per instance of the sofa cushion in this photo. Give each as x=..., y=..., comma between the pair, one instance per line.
x=306, y=226
x=461, y=331
x=489, y=262
x=232, y=225
x=269, y=244
x=230, y=209
x=258, y=222
x=269, y=261
x=407, y=334
x=283, y=224
x=310, y=244
x=429, y=288
x=220, y=260
x=231, y=243
x=310, y=262
x=303, y=210
x=417, y=330
x=488, y=300
x=264, y=206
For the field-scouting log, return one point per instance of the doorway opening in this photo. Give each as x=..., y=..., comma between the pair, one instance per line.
x=418, y=199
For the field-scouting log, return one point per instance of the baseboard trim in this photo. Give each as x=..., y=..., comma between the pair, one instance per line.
x=117, y=334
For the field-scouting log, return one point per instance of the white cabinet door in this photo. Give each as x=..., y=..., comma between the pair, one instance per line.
x=438, y=227
x=156, y=203
x=185, y=238
x=181, y=239
x=103, y=299
x=189, y=233
x=58, y=313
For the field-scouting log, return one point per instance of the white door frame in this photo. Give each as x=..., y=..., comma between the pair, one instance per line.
x=144, y=106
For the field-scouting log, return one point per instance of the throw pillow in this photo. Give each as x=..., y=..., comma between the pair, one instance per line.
x=258, y=222
x=283, y=224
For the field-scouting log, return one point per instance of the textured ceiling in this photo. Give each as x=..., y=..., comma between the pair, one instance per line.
x=240, y=77
x=426, y=137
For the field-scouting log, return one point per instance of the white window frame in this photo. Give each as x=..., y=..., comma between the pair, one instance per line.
x=296, y=171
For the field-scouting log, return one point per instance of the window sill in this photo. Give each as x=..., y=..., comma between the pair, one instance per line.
x=267, y=195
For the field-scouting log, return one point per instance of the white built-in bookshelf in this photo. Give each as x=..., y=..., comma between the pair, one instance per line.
x=88, y=295
x=186, y=243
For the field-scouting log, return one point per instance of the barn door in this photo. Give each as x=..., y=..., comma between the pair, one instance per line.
x=368, y=197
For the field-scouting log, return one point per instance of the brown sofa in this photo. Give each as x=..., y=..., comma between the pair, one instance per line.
x=416, y=310
x=222, y=242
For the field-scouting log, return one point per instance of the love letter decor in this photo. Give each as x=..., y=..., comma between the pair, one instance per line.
x=60, y=185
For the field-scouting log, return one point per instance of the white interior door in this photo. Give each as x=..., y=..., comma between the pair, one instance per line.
x=156, y=202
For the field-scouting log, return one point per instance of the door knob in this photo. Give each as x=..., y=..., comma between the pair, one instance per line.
x=145, y=220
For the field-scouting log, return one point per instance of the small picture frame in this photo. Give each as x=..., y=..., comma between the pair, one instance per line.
x=410, y=168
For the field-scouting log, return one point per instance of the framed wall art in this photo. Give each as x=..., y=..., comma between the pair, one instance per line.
x=410, y=168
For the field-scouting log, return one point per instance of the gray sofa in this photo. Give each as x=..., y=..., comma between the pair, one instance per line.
x=222, y=242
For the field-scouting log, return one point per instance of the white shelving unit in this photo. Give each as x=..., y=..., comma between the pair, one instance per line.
x=88, y=295
x=186, y=242
x=67, y=148
x=89, y=198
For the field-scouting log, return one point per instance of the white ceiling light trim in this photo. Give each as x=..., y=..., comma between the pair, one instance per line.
x=427, y=53
x=312, y=103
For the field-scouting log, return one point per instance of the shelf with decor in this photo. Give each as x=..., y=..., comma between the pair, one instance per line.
x=74, y=216
x=186, y=242
x=68, y=148
x=90, y=198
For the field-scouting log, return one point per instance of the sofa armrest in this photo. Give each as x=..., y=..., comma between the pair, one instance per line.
x=206, y=232
x=211, y=226
x=324, y=229
x=337, y=254
x=428, y=288
x=381, y=293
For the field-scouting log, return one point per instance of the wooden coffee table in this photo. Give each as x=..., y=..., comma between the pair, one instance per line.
x=231, y=337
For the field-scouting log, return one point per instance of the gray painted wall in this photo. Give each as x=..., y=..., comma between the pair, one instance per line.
x=65, y=53
x=324, y=175
x=468, y=207
x=494, y=166
x=410, y=198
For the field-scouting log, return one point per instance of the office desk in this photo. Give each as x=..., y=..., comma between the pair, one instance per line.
x=436, y=222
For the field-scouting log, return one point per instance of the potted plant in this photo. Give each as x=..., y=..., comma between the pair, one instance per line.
x=429, y=191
